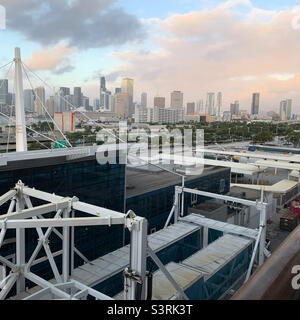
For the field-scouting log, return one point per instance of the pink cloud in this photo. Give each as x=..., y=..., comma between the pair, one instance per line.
x=54, y=58
x=217, y=50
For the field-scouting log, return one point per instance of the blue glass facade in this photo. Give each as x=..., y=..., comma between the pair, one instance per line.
x=101, y=185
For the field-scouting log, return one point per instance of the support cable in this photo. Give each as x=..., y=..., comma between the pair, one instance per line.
x=38, y=97
x=103, y=128
x=45, y=109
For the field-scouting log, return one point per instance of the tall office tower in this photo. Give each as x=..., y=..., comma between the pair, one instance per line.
x=159, y=102
x=102, y=92
x=11, y=99
x=255, y=103
x=199, y=107
x=190, y=108
x=29, y=100
x=39, y=101
x=96, y=104
x=51, y=106
x=176, y=99
x=127, y=87
x=235, y=108
x=210, y=103
x=86, y=103
x=107, y=101
x=144, y=99
x=118, y=90
x=283, y=110
x=122, y=104
x=69, y=102
x=62, y=104
x=289, y=109
x=219, y=105
x=77, y=97
x=3, y=91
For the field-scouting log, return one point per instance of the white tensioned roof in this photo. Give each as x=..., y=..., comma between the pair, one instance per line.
x=277, y=164
x=258, y=155
x=282, y=186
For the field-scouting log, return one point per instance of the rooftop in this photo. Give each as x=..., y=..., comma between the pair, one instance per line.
x=141, y=181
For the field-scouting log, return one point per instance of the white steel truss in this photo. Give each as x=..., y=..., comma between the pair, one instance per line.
x=22, y=215
x=259, y=236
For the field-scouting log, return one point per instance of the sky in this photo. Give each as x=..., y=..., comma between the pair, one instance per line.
x=236, y=47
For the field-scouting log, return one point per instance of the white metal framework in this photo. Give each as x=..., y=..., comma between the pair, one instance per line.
x=260, y=236
x=22, y=215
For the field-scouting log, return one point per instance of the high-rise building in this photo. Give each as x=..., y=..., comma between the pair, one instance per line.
x=77, y=97
x=122, y=104
x=199, y=108
x=102, y=92
x=177, y=99
x=235, y=108
x=51, y=106
x=96, y=104
x=29, y=100
x=255, y=104
x=168, y=115
x=160, y=102
x=3, y=91
x=69, y=102
x=118, y=90
x=86, y=103
x=210, y=104
x=107, y=101
x=190, y=108
x=289, y=109
x=144, y=99
x=127, y=87
x=283, y=110
x=219, y=105
x=39, y=100
x=62, y=104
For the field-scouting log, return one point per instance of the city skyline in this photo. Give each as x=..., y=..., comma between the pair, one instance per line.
x=161, y=39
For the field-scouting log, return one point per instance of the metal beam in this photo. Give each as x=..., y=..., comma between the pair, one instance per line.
x=7, y=196
x=32, y=212
x=222, y=197
x=167, y=274
x=7, y=287
x=46, y=284
x=58, y=223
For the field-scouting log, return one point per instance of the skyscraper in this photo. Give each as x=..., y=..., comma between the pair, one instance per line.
x=283, y=110
x=39, y=101
x=160, y=102
x=102, y=92
x=177, y=99
x=255, y=103
x=235, y=108
x=144, y=99
x=62, y=104
x=190, y=108
x=219, y=105
x=127, y=87
x=210, y=103
x=77, y=97
x=51, y=106
x=122, y=104
x=288, y=109
x=3, y=91
x=199, y=108
x=29, y=100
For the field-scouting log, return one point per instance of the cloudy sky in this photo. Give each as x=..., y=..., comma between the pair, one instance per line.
x=196, y=46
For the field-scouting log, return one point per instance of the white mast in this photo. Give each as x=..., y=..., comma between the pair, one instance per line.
x=21, y=137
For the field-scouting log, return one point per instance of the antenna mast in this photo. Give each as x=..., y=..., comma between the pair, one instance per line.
x=21, y=137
